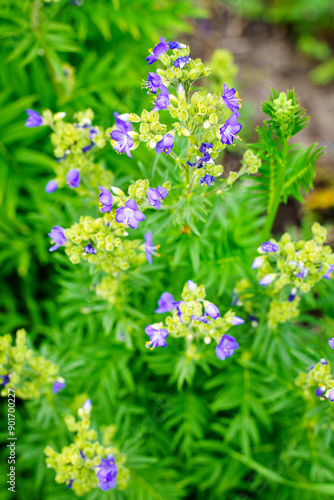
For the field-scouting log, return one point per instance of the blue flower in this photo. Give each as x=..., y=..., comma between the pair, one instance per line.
x=204, y=318
x=158, y=50
x=58, y=385
x=229, y=131
x=226, y=347
x=157, y=336
x=237, y=321
x=6, y=380
x=327, y=274
x=51, y=186
x=303, y=272
x=57, y=234
x=191, y=285
x=156, y=195
x=268, y=247
x=206, y=147
x=87, y=405
x=331, y=343
x=73, y=178
x=69, y=483
x=292, y=295
x=162, y=101
x=129, y=215
x=319, y=392
x=257, y=262
x=176, y=45
x=331, y=395
x=267, y=279
x=231, y=99
x=212, y=311
x=166, y=303
x=153, y=83
x=150, y=249
x=90, y=249
x=34, y=119
x=105, y=200
x=122, y=122
x=208, y=180
x=123, y=140
x=181, y=62
x=165, y=145
x=107, y=473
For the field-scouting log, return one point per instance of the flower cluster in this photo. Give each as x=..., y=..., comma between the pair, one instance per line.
x=317, y=381
x=288, y=269
x=87, y=464
x=193, y=318
x=20, y=369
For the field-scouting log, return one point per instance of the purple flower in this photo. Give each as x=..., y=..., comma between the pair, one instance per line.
x=267, y=279
x=165, y=145
x=166, y=303
x=292, y=295
x=176, y=45
x=229, y=131
x=82, y=455
x=57, y=234
x=51, y=187
x=150, y=248
x=87, y=405
x=331, y=395
x=122, y=122
x=204, y=318
x=327, y=274
x=319, y=392
x=69, y=483
x=58, y=385
x=234, y=299
x=257, y=262
x=107, y=473
x=206, y=147
x=157, y=51
x=231, y=99
x=303, y=272
x=191, y=285
x=124, y=141
x=6, y=380
x=237, y=321
x=181, y=62
x=157, y=336
x=153, y=83
x=162, y=101
x=208, y=180
x=212, y=311
x=90, y=249
x=331, y=343
x=129, y=215
x=268, y=247
x=34, y=119
x=73, y=178
x=226, y=347
x=105, y=200
x=155, y=195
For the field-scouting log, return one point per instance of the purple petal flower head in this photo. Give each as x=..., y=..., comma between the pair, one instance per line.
x=122, y=122
x=331, y=343
x=292, y=295
x=180, y=90
x=150, y=248
x=237, y=321
x=208, y=180
x=331, y=395
x=90, y=249
x=105, y=200
x=329, y=271
x=82, y=455
x=181, y=62
x=157, y=336
x=57, y=234
x=212, y=311
x=231, y=99
x=123, y=140
x=129, y=215
x=69, y=483
x=303, y=272
x=254, y=320
x=34, y=119
x=319, y=392
x=226, y=347
x=87, y=405
x=165, y=145
x=229, y=130
x=6, y=380
x=162, y=101
x=191, y=285
x=323, y=361
x=177, y=305
x=107, y=473
x=153, y=83
x=267, y=279
x=51, y=187
x=156, y=195
x=157, y=51
x=176, y=45
x=204, y=318
x=73, y=178
x=257, y=262
x=58, y=385
x=166, y=303
x=268, y=247
x=206, y=147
